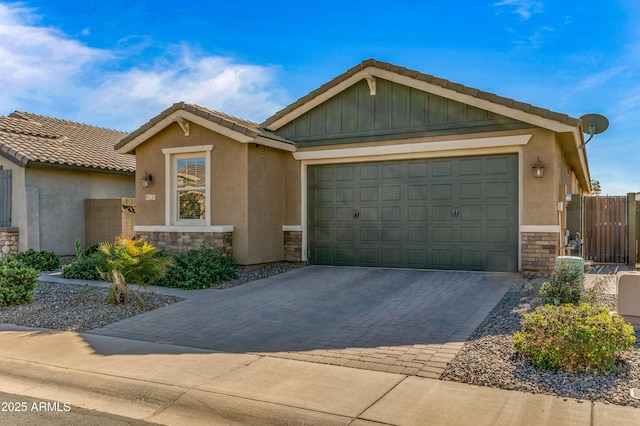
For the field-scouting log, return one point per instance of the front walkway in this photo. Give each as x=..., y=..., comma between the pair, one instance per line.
x=399, y=321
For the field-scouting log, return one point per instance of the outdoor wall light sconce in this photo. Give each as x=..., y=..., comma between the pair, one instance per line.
x=146, y=180
x=538, y=169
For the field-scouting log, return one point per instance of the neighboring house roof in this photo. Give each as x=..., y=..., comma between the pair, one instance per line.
x=374, y=68
x=31, y=139
x=182, y=113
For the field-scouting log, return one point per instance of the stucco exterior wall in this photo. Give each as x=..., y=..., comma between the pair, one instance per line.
x=266, y=174
x=18, y=200
x=55, y=205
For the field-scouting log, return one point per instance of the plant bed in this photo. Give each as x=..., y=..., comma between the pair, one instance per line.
x=77, y=307
x=488, y=357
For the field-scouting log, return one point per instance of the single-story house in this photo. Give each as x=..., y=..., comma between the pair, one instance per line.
x=48, y=168
x=381, y=166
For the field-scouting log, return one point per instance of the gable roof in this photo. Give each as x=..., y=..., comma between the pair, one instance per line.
x=31, y=139
x=372, y=68
x=241, y=130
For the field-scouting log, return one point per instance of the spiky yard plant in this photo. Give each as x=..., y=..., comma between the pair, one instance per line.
x=129, y=262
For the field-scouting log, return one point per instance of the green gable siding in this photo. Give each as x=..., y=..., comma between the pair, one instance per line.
x=396, y=111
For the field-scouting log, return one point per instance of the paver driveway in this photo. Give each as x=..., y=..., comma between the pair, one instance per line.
x=405, y=321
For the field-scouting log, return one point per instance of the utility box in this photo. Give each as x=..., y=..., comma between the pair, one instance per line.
x=628, y=286
x=573, y=263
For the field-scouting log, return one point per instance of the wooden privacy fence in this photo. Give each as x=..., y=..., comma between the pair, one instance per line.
x=605, y=229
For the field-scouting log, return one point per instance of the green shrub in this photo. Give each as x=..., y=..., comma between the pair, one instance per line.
x=201, y=268
x=573, y=338
x=17, y=282
x=85, y=269
x=565, y=286
x=39, y=260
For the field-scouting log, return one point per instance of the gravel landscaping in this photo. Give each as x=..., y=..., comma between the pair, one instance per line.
x=488, y=359
x=84, y=307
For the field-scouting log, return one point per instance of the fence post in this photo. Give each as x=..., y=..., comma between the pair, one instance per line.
x=632, y=231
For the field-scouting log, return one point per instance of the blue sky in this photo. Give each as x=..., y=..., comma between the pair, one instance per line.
x=118, y=63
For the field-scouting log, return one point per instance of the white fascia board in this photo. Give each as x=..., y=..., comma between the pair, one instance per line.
x=275, y=144
x=426, y=87
x=184, y=115
x=409, y=148
x=184, y=228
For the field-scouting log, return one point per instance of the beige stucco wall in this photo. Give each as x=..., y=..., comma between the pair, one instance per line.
x=247, y=189
x=266, y=174
x=18, y=200
x=54, y=205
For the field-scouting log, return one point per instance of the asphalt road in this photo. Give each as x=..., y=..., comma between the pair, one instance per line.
x=16, y=410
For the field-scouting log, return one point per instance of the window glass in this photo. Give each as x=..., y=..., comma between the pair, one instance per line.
x=191, y=188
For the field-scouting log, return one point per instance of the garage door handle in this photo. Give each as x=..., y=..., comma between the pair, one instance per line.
x=455, y=212
x=356, y=213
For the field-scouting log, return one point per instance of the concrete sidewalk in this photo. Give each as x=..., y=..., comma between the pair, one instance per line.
x=177, y=385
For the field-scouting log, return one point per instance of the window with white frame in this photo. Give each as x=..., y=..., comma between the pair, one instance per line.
x=189, y=187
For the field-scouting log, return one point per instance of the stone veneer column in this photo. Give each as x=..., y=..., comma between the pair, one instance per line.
x=8, y=242
x=293, y=246
x=539, y=251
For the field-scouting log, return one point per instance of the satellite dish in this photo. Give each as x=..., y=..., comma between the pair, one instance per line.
x=593, y=124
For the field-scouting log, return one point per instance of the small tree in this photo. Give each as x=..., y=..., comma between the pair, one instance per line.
x=595, y=187
x=129, y=262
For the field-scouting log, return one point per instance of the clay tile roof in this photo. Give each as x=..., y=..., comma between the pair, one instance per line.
x=446, y=84
x=30, y=138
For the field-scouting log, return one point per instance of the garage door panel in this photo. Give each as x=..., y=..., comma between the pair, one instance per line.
x=391, y=233
x=417, y=213
x=369, y=193
x=471, y=234
x=442, y=213
x=418, y=234
x=471, y=190
x=442, y=191
x=497, y=165
x=418, y=192
x=442, y=234
x=344, y=214
x=458, y=213
x=324, y=215
x=391, y=193
x=418, y=169
x=344, y=195
x=470, y=213
x=369, y=214
x=498, y=212
x=323, y=234
x=471, y=167
x=442, y=168
x=323, y=195
x=391, y=213
x=471, y=259
x=369, y=233
x=345, y=233
x=442, y=259
x=368, y=171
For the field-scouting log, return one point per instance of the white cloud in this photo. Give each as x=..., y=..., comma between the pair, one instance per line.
x=46, y=72
x=524, y=8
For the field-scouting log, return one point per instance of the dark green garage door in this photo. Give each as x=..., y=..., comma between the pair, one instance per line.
x=453, y=213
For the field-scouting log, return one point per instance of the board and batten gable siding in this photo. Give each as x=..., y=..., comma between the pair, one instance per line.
x=395, y=112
